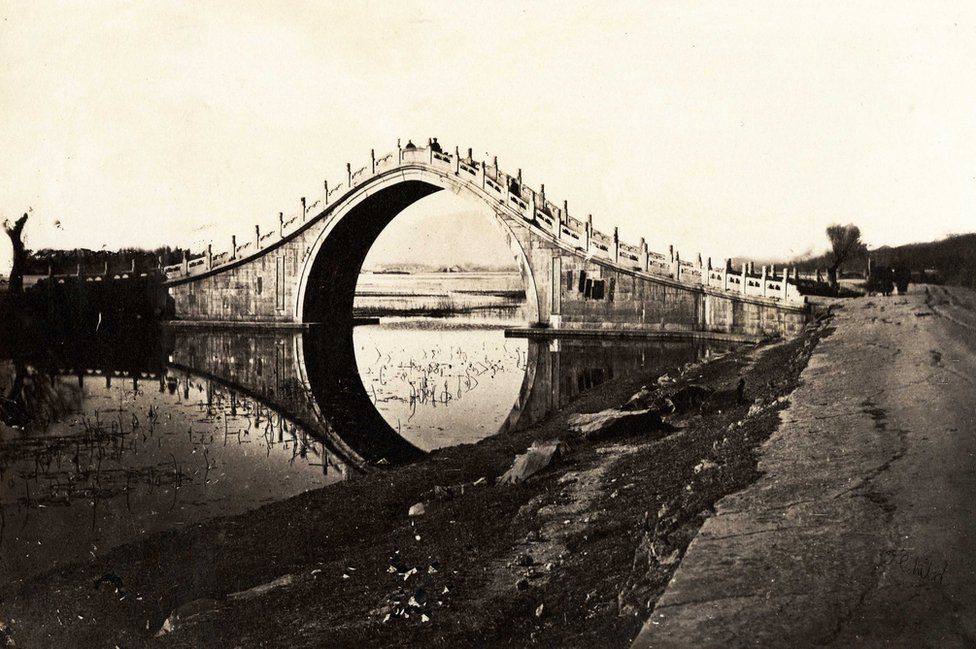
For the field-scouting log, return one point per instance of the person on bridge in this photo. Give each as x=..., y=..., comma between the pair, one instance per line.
x=435, y=147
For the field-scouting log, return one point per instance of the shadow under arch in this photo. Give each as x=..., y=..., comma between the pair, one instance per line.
x=327, y=283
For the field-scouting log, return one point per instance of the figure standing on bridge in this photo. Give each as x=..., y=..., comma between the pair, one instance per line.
x=435, y=147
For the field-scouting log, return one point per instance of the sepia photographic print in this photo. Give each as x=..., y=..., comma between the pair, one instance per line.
x=624, y=324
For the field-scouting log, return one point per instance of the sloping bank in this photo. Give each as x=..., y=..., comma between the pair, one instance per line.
x=575, y=555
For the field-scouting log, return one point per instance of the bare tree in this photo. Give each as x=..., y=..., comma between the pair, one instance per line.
x=15, y=232
x=845, y=242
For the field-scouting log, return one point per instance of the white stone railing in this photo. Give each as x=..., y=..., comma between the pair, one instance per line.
x=531, y=205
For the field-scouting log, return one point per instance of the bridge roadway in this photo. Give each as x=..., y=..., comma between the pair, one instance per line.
x=305, y=268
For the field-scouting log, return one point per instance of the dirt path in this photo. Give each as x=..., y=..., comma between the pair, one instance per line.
x=862, y=532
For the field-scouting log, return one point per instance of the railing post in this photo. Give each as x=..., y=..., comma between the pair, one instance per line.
x=589, y=231
x=349, y=175
x=457, y=161
x=481, y=173
x=304, y=210
x=257, y=238
x=325, y=183
x=281, y=224
x=372, y=157
x=530, y=207
x=233, y=246
x=671, y=252
x=209, y=256
x=643, y=256
x=399, y=152
x=785, y=288
x=725, y=274
x=764, y=277
x=542, y=194
x=616, y=245
x=186, y=263
x=745, y=275
x=430, y=151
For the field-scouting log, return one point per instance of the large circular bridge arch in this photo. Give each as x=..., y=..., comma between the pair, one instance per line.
x=331, y=266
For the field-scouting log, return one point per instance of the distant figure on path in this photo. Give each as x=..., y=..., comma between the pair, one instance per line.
x=887, y=281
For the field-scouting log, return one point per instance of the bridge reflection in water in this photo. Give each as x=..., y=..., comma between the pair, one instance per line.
x=112, y=442
x=358, y=392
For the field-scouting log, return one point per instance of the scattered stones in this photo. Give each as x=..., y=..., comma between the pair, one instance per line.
x=418, y=510
x=615, y=422
x=689, y=397
x=189, y=613
x=524, y=560
x=257, y=591
x=6, y=638
x=537, y=458
x=705, y=465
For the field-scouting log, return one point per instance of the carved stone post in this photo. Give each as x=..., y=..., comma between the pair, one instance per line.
x=281, y=224
x=616, y=245
x=457, y=161
x=304, y=210
x=785, y=287
x=589, y=231
x=745, y=274
x=349, y=175
x=233, y=246
x=643, y=256
x=763, y=281
x=209, y=257
x=372, y=158
x=676, y=265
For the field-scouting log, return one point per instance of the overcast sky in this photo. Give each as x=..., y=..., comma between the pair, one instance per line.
x=739, y=128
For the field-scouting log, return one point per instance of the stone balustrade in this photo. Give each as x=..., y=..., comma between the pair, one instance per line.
x=532, y=206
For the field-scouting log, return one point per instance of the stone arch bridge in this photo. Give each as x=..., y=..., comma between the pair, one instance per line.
x=304, y=268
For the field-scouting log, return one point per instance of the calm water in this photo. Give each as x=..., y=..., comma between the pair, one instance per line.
x=112, y=441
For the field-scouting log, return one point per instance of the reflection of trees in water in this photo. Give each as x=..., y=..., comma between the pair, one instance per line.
x=89, y=463
x=33, y=400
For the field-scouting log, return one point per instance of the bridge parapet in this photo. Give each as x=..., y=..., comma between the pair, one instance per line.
x=543, y=216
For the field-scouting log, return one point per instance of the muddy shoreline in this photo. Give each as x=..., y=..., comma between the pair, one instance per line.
x=575, y=556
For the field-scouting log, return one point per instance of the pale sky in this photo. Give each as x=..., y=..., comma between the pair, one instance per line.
x=740, y=128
